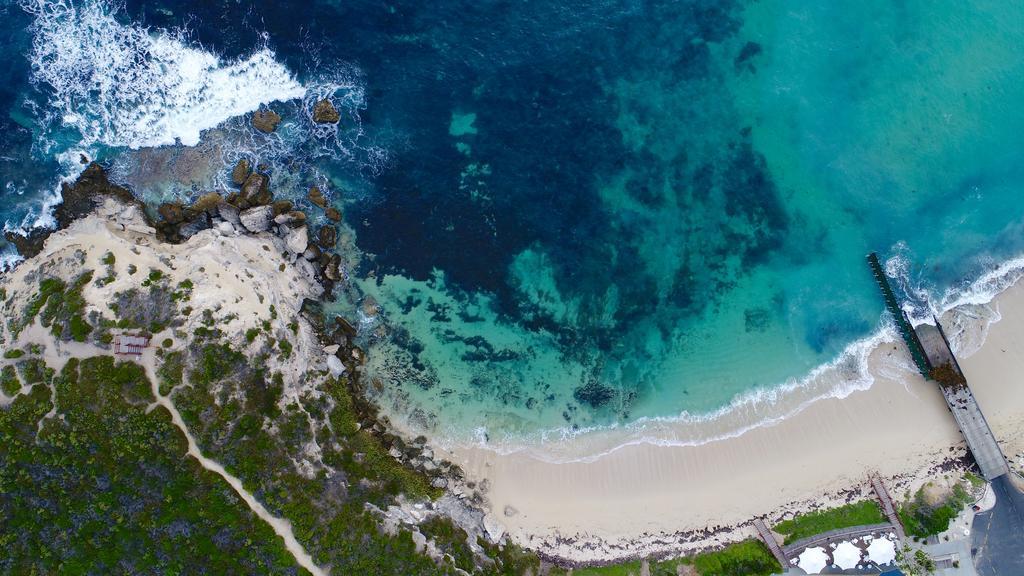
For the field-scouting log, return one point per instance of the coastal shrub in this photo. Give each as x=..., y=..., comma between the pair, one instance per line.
x=450, y=540
x=251, y=334
x=108, y=482
x=14, y=353
x=746, y=558
x=922, y=519
x=286, y=348
x=9, y=382
x=631, y=568
x=818, y=521
x=108, y=259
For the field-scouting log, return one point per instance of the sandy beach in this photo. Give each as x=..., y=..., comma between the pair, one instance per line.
x=645, y=498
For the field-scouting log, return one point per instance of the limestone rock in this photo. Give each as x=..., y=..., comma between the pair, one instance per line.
x=254, y=186
x=207, y=202
x=327, y=236
x=439, y=483
x=324, y=112
x=265, y=120
x=332, y=349
x=493, y=528
x=332, y=214
x=171, y=212
x=282, y=206
x=193, y=227
x=297, y=240
x=256, y=219
x=226, y=229
x=228, y=213
x=335, y=365
x=312, y=253
x=293, y=217
x=317, y=197
x=240, y=172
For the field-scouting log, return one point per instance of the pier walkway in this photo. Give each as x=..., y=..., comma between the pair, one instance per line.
x=975, y=429
x=935, y=360
x=771, y=542
x=887, y=506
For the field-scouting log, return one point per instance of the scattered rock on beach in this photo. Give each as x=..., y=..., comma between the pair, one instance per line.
x=256, y=219
x=265, y=120
x=324, y=112
x=335, y=365
x=293, y=217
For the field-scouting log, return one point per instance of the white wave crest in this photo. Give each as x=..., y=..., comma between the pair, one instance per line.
x=126, y=85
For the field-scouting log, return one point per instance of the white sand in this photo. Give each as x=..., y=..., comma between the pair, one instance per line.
x=646, y=498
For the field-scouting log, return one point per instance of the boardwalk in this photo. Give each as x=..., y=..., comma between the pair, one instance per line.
x=887, y=506
x=771, y=542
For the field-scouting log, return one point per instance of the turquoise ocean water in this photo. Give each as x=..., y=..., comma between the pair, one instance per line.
x=567, y=215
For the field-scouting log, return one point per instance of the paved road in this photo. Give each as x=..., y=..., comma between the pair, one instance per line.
x=998, y=535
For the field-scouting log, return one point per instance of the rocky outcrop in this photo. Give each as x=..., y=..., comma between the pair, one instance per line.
x=296, y=240
x=256, y=219
x=229, y=212
x=265, y=120
x=324, y=112
x=332, y=214
x=316, y=197
x=255, y=187
x=240, y=172
x=171, y=212
x=77, y=200
x=327, y=236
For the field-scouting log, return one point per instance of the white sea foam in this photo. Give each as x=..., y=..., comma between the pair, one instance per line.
x=126, y=85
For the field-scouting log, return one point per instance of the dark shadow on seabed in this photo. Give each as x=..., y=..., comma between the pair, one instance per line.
x=998, y=535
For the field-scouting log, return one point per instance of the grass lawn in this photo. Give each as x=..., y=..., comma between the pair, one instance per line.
x=811, y=523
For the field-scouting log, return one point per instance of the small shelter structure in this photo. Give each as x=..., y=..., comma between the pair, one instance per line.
x=130, y=344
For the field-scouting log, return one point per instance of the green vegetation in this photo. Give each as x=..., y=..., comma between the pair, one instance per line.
x=62, y=307
x=922, y=518
x=251, y=334
x=14, y=353
x=285, y=347
x=914, y=562
x=450, y=540
x=108, y=259
x=154, y=278
x=167, y=343
x=9, y=382
x=625, y=569
x=105, y=489
x=818, y=521
x=746, y=558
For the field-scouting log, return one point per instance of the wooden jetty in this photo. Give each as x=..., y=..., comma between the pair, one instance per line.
x=771, y=543
x=934, y=358
x=887, y=506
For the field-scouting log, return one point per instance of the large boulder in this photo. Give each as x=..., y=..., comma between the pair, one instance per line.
x=171, y=212
x=317, y=197
x=193, y=227
x=256, y=219
x=297, y=240
x=282, y=206
x=255, y=185
x=292, y=218
x=327, y=236
x=240, y=172
x=265, y=120
x=332, y=214
x=207, y=203
x=228, y=212
x=324, y=112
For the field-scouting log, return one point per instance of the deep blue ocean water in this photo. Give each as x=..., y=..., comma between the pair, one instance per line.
x=565, y=214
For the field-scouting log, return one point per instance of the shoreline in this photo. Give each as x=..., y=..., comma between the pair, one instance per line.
x=646, y=498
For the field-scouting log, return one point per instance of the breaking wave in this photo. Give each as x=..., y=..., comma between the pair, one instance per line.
x=127, y=85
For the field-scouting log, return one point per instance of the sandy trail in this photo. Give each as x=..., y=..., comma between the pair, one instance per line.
x=281, y=527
